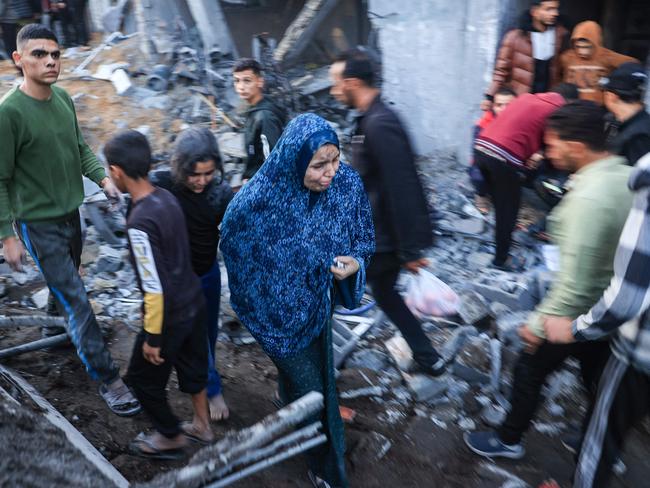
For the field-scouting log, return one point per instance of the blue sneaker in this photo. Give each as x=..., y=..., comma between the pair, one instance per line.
x=488, y=444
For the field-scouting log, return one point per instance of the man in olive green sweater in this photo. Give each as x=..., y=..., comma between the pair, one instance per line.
x=585, y=226
x=42, y=160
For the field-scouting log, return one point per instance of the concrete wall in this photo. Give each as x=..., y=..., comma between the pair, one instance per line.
x=437, y=60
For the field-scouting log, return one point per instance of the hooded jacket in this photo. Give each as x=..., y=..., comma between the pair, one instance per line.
x=517, y=133
x=586, y=73
x=264, y=125
x=515, y=65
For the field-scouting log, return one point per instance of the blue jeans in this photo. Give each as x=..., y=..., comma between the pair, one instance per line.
x=211, y=285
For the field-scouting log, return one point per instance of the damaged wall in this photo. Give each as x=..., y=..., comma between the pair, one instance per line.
x=437, y=82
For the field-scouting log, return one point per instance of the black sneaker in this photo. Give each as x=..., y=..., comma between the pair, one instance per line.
x=436, y=369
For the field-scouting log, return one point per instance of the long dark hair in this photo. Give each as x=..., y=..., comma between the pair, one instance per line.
x=193, y=146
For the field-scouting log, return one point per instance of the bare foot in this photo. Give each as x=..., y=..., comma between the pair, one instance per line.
x=218, y=408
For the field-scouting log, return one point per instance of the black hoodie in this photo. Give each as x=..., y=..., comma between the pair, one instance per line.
x=264, y=125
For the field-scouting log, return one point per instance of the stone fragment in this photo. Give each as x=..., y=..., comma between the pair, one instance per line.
x=39, y=298
x=367, y=358
x=425, y=388
x=400, y=351
x=474, y=309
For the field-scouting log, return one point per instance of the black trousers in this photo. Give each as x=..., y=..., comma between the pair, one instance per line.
x=623, y=402
x=530, y=375
x=383, y=272
x=185, y=348
x=503, y=183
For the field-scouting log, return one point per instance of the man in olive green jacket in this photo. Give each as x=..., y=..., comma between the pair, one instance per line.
x=585, y=226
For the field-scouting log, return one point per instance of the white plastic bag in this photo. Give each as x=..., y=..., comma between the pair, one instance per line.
x=426, y=296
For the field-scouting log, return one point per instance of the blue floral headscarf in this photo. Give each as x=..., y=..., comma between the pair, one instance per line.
x=278, y=247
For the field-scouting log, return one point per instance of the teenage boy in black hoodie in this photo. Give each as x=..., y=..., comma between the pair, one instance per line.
x=174, y=331
x=264, y=121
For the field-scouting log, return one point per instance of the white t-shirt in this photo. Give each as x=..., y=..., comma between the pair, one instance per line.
x=543, y=44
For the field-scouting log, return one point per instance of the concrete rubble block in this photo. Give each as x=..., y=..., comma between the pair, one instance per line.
x=474, y=309
x=508, y=326
x=454, y=344
x=468, y=227
x=231, y=145
x=479, y=260
x=497, y=294
x=367, y=358
x=39, y=298
x=425, y=388
x=400, y=352
x=121, y=81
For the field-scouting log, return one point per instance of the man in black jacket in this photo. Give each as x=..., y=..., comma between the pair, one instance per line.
x=264, y=119
x=382, y=154
x=624, y=90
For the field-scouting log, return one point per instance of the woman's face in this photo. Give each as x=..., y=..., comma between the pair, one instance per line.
x=201, y=177
x=322, y=168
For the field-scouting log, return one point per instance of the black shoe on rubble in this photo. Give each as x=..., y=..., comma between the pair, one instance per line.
x=436, y=369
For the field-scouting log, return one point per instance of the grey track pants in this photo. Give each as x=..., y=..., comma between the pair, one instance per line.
x=55, y=246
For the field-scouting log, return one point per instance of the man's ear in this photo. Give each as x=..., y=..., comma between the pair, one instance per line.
x=17, y=58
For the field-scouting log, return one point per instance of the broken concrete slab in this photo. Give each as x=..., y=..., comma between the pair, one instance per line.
x=39, y=298
x=367, y=358
x=400, y=352
x=470, y=375
x=426, y=388
x=474, y=309
x=497, y=294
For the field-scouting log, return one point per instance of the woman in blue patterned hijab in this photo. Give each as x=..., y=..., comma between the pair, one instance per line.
x=280, y=238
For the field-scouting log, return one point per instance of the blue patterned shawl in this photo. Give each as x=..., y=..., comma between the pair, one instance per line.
x=278, y=249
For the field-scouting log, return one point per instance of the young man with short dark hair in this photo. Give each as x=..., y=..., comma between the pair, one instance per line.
x=174, y=333
x=42, y=161
x=264, y=119
x=624, y=92
x=383, y=156
x=528, y=58
x=585, y=226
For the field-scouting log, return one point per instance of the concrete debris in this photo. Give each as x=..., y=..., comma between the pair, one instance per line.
x=361, y=392
x=474, y=309
x=39, y=298
x=493, y=415
x=367, y=358
x=400, y=352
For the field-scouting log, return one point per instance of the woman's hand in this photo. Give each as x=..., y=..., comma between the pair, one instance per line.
x=347, y=266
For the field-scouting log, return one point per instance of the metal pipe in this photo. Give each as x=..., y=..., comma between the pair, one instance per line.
x=299, y=436
x=321, y=439
x=34, y=346
x=32, y=320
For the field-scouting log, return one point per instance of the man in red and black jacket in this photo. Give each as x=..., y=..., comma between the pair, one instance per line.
x=510, y=146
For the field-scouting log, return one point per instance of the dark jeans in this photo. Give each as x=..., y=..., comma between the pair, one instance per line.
x=184, y=349
x=55, y=247
x=623, y=402
x=211, y=284
x=503, y=183
x=530, y=375
x=383, y=272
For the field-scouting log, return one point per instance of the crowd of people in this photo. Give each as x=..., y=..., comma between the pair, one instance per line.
x=306, y=232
